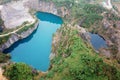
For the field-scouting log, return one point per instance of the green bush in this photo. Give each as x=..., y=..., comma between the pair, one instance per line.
x=19, y=71
x=87, y=68
x=4, y=39
x=75, y=60
x=26, y=28
x=93, y=8
x=1, y=22
x=90, y=19
x=4, y=57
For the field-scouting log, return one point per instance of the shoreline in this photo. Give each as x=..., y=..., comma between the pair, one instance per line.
x=15, y=37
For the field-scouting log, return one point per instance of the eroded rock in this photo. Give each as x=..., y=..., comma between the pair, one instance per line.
x=15, y=13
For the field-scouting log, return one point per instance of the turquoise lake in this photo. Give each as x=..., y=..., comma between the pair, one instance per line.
x=35, y=49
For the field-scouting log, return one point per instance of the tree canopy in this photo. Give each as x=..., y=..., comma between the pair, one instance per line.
x=19, y=71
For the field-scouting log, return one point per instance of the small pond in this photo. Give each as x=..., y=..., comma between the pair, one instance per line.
x=97, y=41
x=35, y=49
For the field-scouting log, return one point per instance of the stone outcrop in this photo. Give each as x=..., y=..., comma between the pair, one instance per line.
x=14, y=14
x=107, y=4
x=15, y=37
x=83, y=33
x=40, y=5
x=59, y=34
x=110, y=30
x=19, y=14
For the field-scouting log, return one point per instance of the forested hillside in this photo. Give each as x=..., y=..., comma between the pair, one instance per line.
x=73, y=56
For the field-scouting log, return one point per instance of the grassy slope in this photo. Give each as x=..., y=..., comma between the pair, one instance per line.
x=75, y=60
x=87, y=13
x=4, y=57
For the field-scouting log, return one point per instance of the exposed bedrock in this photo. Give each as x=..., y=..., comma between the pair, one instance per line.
x=15, y=37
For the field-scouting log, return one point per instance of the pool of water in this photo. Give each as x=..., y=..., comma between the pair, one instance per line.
x=97, y=41
x=35, y=49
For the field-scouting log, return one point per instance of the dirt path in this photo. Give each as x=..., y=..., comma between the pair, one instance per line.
x=3, y=35
x=11, y=32
x=1, y=76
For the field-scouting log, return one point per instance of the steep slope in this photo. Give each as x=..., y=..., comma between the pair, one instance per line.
x=14, y=14
x=91, y=15
x=75, y=59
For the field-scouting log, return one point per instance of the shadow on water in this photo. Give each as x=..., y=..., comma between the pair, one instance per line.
x=48, y=17
x=36, y=48
x=45, y=17
x=21, y=41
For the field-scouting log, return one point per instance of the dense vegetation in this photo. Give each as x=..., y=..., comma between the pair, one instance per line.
x=4, y=39
x=19, y=71
x=76, y=60
x=91, y=15
x=4, y=57
x=82, y=12
x=26, y=27
x=1, y=24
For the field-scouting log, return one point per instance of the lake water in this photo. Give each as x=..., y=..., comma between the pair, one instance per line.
x=35, y=49
x=97, y=41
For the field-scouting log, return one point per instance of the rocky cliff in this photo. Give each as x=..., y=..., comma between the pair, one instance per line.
x=37, y=5
x=14, y=14
x=40, y=5
x=15, y=37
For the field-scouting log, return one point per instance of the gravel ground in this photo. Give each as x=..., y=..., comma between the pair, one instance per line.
x=15, y=13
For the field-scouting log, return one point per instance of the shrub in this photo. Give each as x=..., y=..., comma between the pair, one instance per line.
x=4, y=57
x=19, y=71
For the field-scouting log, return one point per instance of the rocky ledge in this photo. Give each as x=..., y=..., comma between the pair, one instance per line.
x=41, y=5
x=10, y=12
x=15, y=37
x=58, y=35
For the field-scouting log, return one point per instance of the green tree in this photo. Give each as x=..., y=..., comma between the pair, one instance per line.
x=4, y=57
x=19, y=71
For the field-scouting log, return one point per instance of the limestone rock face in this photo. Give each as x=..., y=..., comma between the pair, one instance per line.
x=107, y=4
x=39, y=5
x=15, y=14
x=83, y=33
x=110, y=30
x=15, y=37
x=11, y=40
